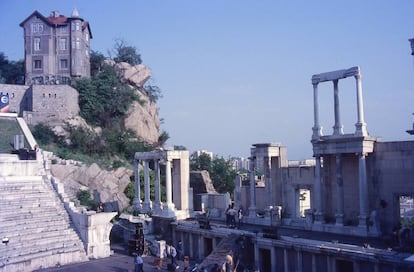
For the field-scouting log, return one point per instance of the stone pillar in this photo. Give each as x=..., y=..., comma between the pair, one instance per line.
x=200, y=247
x=285, y=260
x=317, y=129
x=137, y=196
x=361, y=126
x=363, y=191
x=252, y=208
x=318, y=190
x=191, y=245
x=299, y=261
x=338, y=127
x=256, y=254
x=146, y=207
x=168, y=186
x=268, y=180
x=273, y=259
x=339, y=191
x=157, y=201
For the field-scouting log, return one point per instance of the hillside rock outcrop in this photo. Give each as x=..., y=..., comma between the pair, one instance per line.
x=106, y=186
x=201, y=182
x=141, y=118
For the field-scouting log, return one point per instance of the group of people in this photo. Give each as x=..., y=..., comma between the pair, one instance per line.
x=231, y=214
x=174, y=253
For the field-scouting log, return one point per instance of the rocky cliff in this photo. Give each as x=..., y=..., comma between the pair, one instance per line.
x=106, y=186
x=142, y=119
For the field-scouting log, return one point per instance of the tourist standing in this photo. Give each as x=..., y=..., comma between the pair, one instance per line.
x=138, y=263
x=179, y=249
x=240, y=215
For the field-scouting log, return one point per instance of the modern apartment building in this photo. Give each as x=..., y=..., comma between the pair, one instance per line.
x=56, y=48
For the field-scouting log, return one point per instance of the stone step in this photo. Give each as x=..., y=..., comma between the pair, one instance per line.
x=26, y=204
x=30, y=228
x=22, y=216
x=42, y=259
x=51, y=236
x=32, y=247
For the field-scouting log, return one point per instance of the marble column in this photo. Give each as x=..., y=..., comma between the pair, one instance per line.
x=361, y=126
x=317, y=129
x=137, y=196
x=157, y=198
x=146, y=207
x=252, y=208
x=273, y=259
x=363, y=191
x=318, y=191
x=168, y=186
x=338, y=127
x=201, y=247
x=268, y=180
x=339, y=191
x=191, y=246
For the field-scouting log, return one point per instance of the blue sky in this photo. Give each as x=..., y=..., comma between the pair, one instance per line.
x=235, y=73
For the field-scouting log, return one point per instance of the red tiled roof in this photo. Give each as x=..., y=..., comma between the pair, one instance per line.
x=57, y=20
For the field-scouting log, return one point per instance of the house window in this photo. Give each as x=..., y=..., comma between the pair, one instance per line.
x=73, y=26
x=86, y=36
x=37, y=28
x=62, y=44
x=77, y=43
x=77, y=26
x=63, y=64
x=36, y=44
x=38, y=64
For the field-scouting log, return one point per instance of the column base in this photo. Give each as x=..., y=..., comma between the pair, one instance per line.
x=361, y=129
x=339, y=219
x=136, y=203
x=362, y=221
x=146, y=207
x=317, y=133
x=319, y=218
x=252, y=212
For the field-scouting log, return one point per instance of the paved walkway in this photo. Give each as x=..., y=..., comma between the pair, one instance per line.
x=120, y=261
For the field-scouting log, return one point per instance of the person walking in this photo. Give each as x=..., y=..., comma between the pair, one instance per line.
x=138, y=263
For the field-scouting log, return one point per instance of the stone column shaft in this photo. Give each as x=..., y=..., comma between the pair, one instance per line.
x=338, y=128
x=339, y=191
x=317, y=130
x=157, y=201
x=268, y=180
x=168, y=184
x=252, y=208
x=147, y=200
x=363, y=191
x=273, y=259
x=318, y=190
x=361, y=126
x=137, y=195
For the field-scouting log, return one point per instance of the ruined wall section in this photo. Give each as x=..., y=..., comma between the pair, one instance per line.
x=392, y=175
x=51, y=104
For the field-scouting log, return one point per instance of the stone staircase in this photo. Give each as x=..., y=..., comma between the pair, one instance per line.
x=218, y=256
x=36, y=225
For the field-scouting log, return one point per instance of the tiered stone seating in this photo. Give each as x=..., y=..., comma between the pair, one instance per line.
x=37, y=226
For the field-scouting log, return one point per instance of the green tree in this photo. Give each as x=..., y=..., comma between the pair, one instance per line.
x=126, y=53
x=11, y=72
x=223, y=175
x=221, y=171
x=104, y=99
x=201, y=162
x=97, y=61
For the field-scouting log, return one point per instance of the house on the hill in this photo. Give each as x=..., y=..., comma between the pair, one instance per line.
x=57, y=48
